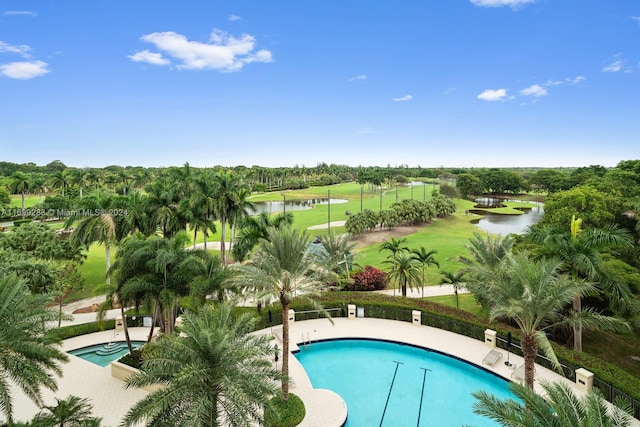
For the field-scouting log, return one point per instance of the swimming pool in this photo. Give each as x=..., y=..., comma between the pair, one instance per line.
x=391, y=384
x=105, y=353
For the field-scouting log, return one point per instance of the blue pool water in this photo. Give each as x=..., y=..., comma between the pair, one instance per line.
x=362, y=373
x=105, y=353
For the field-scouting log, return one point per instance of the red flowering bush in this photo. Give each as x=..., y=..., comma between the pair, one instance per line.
x=369, y=279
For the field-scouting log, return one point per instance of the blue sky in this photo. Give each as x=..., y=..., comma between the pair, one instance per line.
x=468, y=83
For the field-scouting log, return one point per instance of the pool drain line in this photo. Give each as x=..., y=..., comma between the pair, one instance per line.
x=424, y=378
x=390, y=387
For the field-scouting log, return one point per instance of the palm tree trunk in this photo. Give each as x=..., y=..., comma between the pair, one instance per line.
x=577, y=326
x=285, y=348
x=529, y=352
x=154, y=319
x=223, y=255
x=126, y=330
x=107, y=250
x=404, y=287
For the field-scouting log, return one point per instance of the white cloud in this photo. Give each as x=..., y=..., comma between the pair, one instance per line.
x=18, y=13
x=493, y=95
x=366, y=131
x=221, y=52
x=576, y=80
x=234, y=18
x=361, y=77
x=534, y=90
x=499, y=3
x=403, y=98
x=24, y=70
x=636, y=18
x=149, y=57
x=22, y=50
x=613, y=67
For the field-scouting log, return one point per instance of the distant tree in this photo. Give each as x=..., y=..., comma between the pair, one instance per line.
x=596, y=209
x=468, y=184
x=19, y=184
x=456, y=280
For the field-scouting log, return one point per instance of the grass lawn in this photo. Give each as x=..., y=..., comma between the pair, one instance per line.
x=466, y=302
x=29, y=201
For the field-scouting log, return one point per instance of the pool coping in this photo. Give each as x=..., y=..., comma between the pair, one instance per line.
x=465, y=349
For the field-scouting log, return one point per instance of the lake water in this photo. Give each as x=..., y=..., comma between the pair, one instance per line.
x=293, y=205
x=508, y=224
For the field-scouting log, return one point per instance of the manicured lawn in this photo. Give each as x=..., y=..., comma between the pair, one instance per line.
x=466, y=302
x=29, y=201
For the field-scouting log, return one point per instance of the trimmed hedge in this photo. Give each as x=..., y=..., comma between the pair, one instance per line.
x=291, y=412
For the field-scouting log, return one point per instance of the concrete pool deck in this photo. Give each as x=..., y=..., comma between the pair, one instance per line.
x=324, y=408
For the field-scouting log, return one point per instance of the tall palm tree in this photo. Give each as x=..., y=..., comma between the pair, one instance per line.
x=19, y=183
x=559, y=408
x=73, y=411
x=254, y=228
x=580, y=253
x=533, y=295
x=406, y=271
x=60, y=179
x=282, y=268
x=100, y=218
x=215, y=373
x=39, y=184
x=394, y=246
x=29, y=355
x=241, y=209
x=227, y=186
x=426, y=258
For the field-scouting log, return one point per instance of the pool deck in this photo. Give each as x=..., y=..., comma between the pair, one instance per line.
x=324, y=408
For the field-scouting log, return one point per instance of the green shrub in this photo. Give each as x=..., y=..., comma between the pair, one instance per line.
x=291, y=412
x=19, y=222
x=134, y=360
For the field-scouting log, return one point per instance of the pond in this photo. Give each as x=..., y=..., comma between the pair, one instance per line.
x=293, y=205
x=507, y=224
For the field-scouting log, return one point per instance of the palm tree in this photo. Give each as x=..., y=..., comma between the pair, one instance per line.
x=394, y=246
x=70, y=412
x=100, y=218
x=227, y=186
x=29, y=355
x=533, y=294
x=580, y=253
x=215, y=373
x=213, y=279
x=454, y=279
x=406, y=270
x=486, y=255
x=338, y=253
x=254, y=228
x=60, y=179
x=157, y=270
x=205, y=196
x=39, y=184
x=426, y=259
x=560, y=407
x=19, y=183
x=281, y=269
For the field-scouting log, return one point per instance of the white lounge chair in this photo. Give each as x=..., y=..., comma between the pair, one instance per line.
x=518, y=374
x=492, y=357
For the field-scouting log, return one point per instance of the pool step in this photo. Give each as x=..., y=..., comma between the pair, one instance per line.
x=111, y=348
